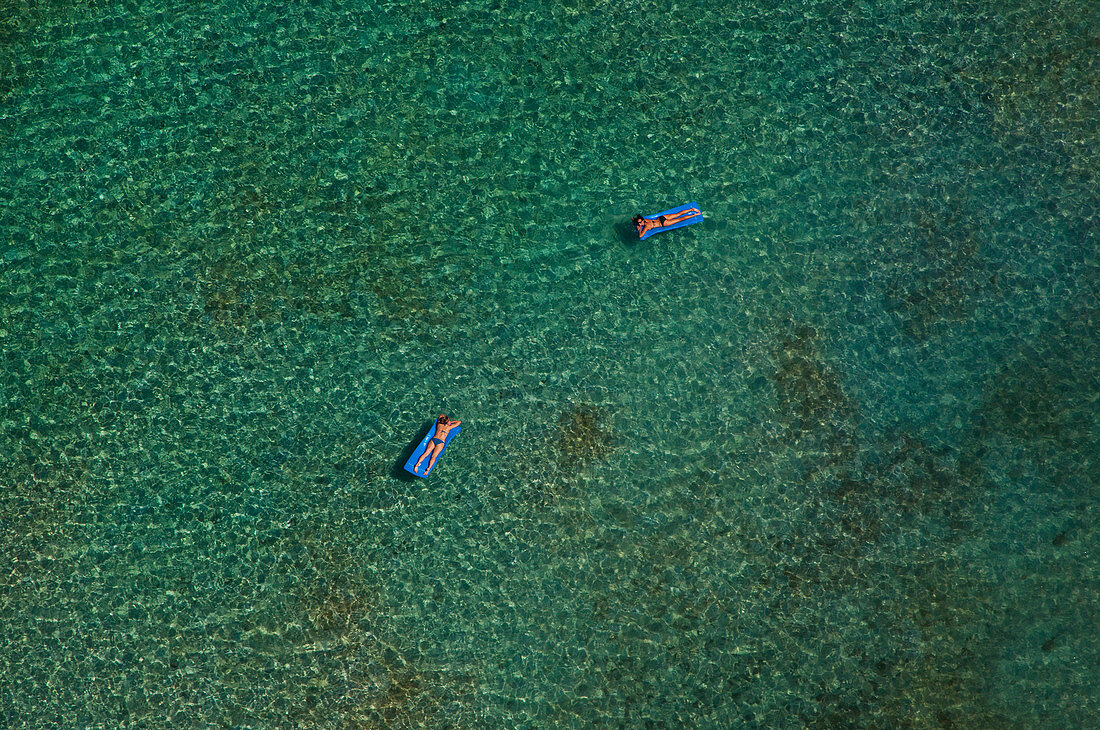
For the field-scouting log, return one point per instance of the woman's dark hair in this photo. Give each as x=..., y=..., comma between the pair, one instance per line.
x=442, y=418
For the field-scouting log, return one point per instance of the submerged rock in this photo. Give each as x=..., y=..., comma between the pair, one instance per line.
x=583, y=436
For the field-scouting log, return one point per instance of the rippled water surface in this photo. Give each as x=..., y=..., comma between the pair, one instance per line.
x=829, y=459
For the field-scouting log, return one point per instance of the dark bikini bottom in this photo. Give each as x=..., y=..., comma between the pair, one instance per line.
x=437, y=441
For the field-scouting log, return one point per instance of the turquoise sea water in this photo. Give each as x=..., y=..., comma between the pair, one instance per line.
x=829, y=459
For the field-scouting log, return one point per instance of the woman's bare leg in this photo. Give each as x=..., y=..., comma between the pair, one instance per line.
x=676, y=218
x=427, y=453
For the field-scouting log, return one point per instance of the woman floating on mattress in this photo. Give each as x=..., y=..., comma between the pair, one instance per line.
x=643, y=224
x=443, y=426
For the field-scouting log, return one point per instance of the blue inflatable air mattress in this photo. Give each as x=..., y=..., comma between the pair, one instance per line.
x=668, y=213
x=425, y=470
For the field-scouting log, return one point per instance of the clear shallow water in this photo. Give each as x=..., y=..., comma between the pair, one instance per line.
x=828, y=459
